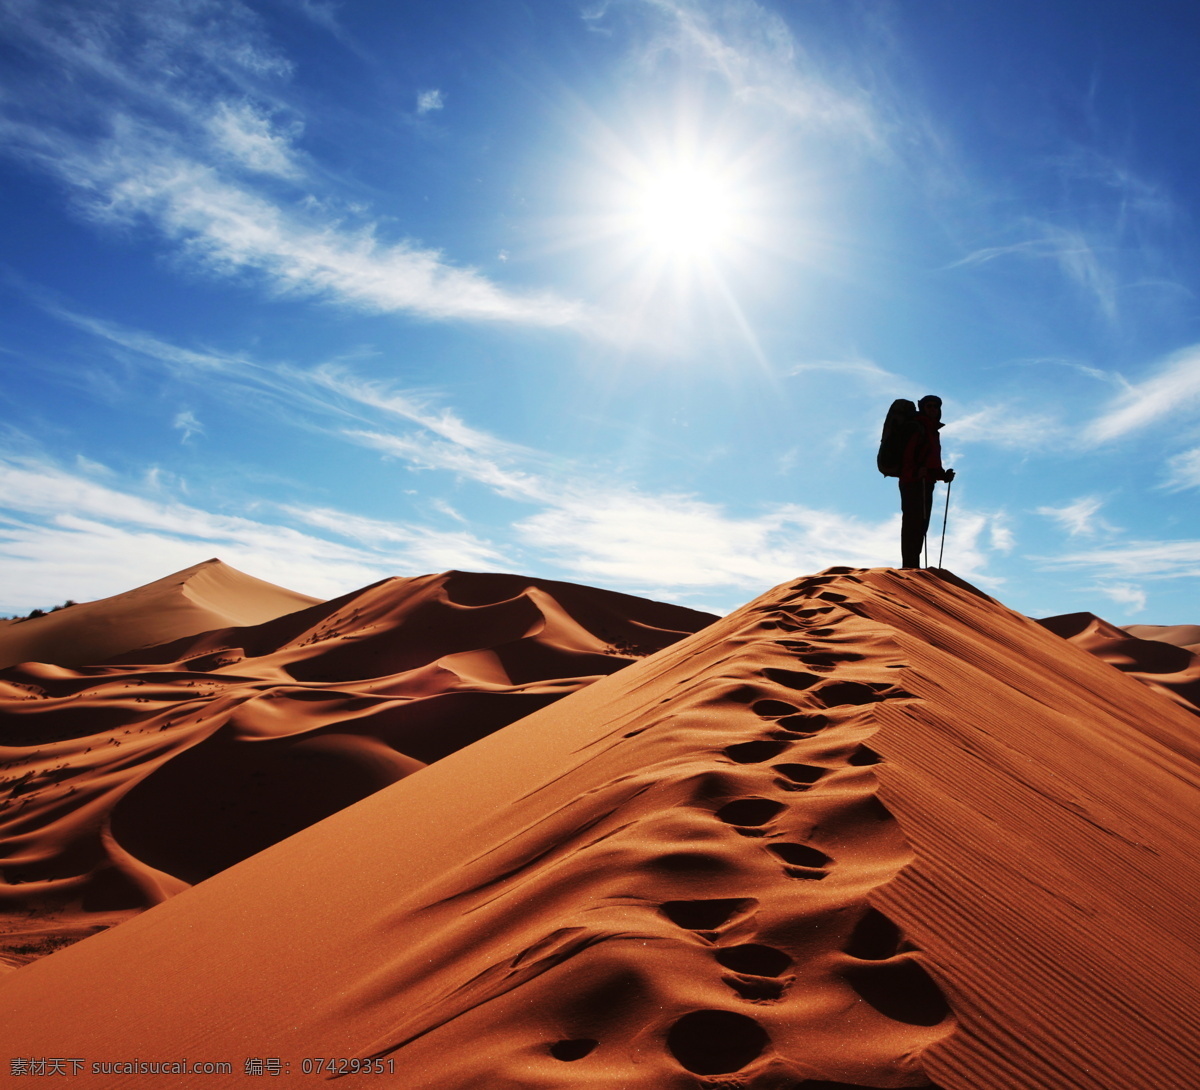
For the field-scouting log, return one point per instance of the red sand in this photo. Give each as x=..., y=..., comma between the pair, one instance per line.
x=872, y=829
x=204, y=596
x=130, y=781
x=1163, y=657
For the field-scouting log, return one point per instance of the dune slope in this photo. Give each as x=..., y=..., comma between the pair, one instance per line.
x=1162, y=657
x=864, y=832
x=127, y=782
x=205, y=596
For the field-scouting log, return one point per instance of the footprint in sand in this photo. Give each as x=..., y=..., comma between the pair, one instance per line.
x=834, y=694
x=782, y=623
x=749, y=753
x=749, y=815
x=772, y=709
x=757, y=968
x=716, y=1042
x=802, y=861
x=791, y=679
x=799, y=777
x=705, y=915
x=803, y=726
x=750, y=811
x=874, y=938
x=887, y=977
x=574, y=1049
x=863, y=755
x=827, y=660
x=899, y=989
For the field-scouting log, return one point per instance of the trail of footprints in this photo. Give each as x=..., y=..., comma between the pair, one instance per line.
x=723, y=1042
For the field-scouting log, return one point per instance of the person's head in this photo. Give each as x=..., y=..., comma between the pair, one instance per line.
x=931, y=405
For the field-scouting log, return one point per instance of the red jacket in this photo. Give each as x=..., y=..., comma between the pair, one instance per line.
x=923, y=454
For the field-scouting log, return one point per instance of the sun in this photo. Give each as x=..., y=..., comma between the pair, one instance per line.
x=684, y=211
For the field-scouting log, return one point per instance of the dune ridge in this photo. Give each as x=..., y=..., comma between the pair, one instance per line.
x=205, y=596
x=129, y=781
x=863, y=832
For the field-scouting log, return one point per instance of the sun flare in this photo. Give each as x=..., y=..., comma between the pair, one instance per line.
x=685, y=212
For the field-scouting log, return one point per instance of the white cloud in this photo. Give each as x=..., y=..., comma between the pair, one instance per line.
x=681, y=541
x=1078, y=517
x=1126, y=594
x=755, y=53
x=232, y=229
x=685, y=542
x=186, y=422
x=69, y=536
x=1002, y=538
x=93, y=469
x=429, y=100
x=418, y=410
x=447, y=510
x=1005, y=426
x=423, y=547
x=1137, y=560
x=1174, y=388
x=426, y=453
x=1183, y=471
x=876, y=378
x=250, y=139
x=138, y=157
x=1074, y=254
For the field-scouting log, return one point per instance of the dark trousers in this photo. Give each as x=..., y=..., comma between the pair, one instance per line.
x=916, y=501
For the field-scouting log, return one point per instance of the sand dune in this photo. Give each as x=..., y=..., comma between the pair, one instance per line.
x=1161, y=657
x=871, y=830
x=128, y=782
x=205, y=596
x=1180, y=635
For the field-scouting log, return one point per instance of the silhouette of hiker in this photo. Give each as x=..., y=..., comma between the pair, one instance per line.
x=920, y=469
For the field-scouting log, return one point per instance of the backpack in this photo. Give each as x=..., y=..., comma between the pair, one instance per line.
x=898, y=428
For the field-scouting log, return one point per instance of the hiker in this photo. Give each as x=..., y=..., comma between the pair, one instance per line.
x=920, y=468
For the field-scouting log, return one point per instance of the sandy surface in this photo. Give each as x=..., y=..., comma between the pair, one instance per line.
x=873, y=829
x=205, y=596
x=128, y=782
x=1162, y=657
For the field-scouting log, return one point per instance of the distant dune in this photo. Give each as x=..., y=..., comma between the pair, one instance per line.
x=871, y=830
x=127, y=782
x=1163, y=657
x=205, y=596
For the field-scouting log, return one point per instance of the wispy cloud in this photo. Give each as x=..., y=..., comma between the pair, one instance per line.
x=429, y=100
x=874, y=377
x=424, y=452
x=616, y=534
x=252, y=141
x=1126, y=594
x=63, y=535
x=1075, y=255
x=186, y=422
x=128, y=150
x=1136, y=560
x=1183, y=471
x=1079, y=517
x=685, y=542
x=622, y=535
x=1173, y=389
x=1006, y=426
x=754, y=51
x=422, y=546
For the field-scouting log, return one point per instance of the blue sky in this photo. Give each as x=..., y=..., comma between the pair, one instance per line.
x=613, y=291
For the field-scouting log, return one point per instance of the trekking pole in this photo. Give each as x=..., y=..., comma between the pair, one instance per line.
x=928, y=498
x=945, y=516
